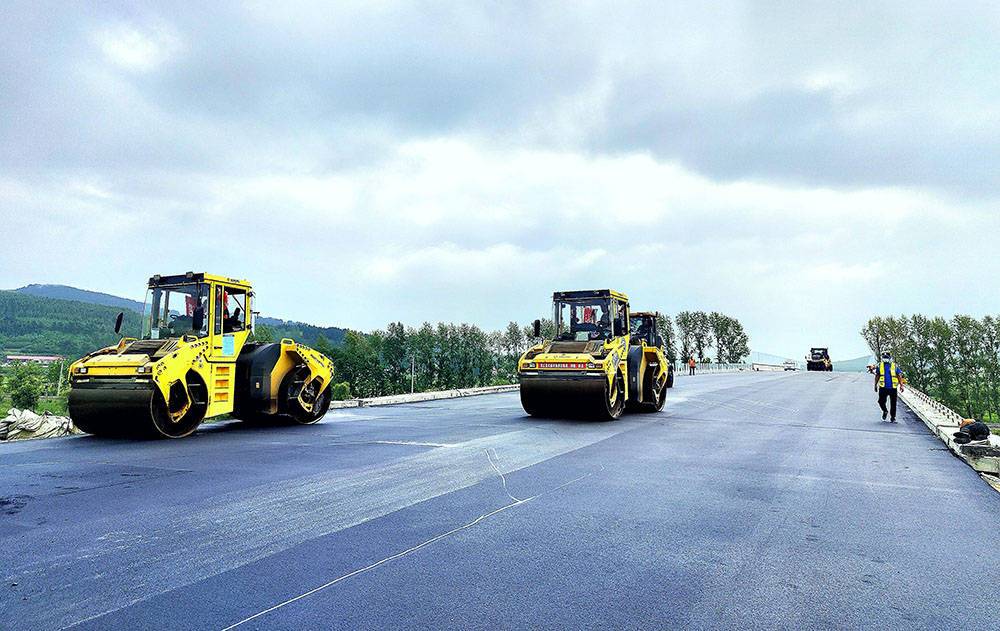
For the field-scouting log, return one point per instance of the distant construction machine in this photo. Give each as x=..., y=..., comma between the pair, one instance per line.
x=819, y=359
x=192, y=361
x=590, y=368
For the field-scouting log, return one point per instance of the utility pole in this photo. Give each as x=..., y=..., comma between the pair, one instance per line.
x=59, y=384
x=413, y=365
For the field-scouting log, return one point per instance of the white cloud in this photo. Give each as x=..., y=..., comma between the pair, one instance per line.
x=136, y=48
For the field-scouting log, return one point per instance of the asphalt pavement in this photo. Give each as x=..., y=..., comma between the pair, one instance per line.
x=752, y=501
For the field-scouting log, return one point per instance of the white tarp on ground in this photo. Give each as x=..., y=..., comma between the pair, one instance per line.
x=20, y=424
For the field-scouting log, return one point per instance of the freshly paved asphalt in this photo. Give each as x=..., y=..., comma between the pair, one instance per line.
x=753, y=501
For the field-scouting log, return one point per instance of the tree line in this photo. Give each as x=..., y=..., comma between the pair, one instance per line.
x=440, y=356
x=444, y=356
x=956, y=361
x=698, y=332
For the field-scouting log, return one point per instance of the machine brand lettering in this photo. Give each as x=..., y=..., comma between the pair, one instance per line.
x=575, y=365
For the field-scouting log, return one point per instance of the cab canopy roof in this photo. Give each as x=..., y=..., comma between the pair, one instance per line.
x=192, y=277
x=644, y=314
x=589, y=294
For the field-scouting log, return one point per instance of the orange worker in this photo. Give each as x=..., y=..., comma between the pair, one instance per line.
x=691, y=365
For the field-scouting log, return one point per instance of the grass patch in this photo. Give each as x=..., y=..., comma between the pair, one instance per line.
x=54, y=405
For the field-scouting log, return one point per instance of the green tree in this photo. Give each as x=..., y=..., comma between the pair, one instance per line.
x=874, y=333
x=967, y=350
x=510, y=344
x=323, y=345
x=262, y=333
x=341, y=391
x=731, y=342
x=694, y=333
x=396, y=358
x=25, y=386
x=548, y=331
x=666, y=328
x=423, y=347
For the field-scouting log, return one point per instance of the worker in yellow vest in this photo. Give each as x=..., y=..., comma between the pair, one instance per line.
x=888, y=384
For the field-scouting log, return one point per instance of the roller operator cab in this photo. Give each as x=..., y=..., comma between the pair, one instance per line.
x=583, y=370
x=192, y=361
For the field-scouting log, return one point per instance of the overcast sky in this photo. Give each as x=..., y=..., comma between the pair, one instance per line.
x=799, y=165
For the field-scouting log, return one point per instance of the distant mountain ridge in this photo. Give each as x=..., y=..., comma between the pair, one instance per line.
x=65, y=292
x=43, y=319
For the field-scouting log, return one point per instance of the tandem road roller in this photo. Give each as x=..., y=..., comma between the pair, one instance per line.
x=192, y=361
x=591, y=367
x=819, y=359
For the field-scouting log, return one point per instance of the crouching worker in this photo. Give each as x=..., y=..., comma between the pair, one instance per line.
x=888, y=384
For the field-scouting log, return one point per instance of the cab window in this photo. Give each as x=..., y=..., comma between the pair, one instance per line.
x=230, y=309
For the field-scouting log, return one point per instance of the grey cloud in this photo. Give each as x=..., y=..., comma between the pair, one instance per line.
x=719, y=89
x=799, y=136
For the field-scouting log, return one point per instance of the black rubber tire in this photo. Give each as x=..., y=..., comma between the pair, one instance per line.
x=613, y=403
x=162, y=425
x=293, y=411
x=658, y=403
x=534, y=406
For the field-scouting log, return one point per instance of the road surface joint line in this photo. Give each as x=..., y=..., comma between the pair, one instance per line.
x=500, y=473
x=407, y=551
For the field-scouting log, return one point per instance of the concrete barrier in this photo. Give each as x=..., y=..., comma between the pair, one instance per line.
x=767, y=367
x=396, y=399
x=944, y=422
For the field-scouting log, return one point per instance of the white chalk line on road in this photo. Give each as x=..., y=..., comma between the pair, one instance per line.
x=871, y=483
x=407, y=551
x=394, y=442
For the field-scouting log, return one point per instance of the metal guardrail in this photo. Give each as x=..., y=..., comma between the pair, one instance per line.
x=681, y=368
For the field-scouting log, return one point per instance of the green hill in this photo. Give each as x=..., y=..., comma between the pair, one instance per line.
x=302, y=332
x=65, y=292
x=33, y=325
x=40, y=325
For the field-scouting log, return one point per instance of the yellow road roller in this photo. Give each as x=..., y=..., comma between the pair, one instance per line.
x=583, y=369
x=192, y=361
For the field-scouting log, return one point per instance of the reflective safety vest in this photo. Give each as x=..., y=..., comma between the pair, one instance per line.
x=890, y=368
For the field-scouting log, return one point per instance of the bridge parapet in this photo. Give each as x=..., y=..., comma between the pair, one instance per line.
x=944, y=422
